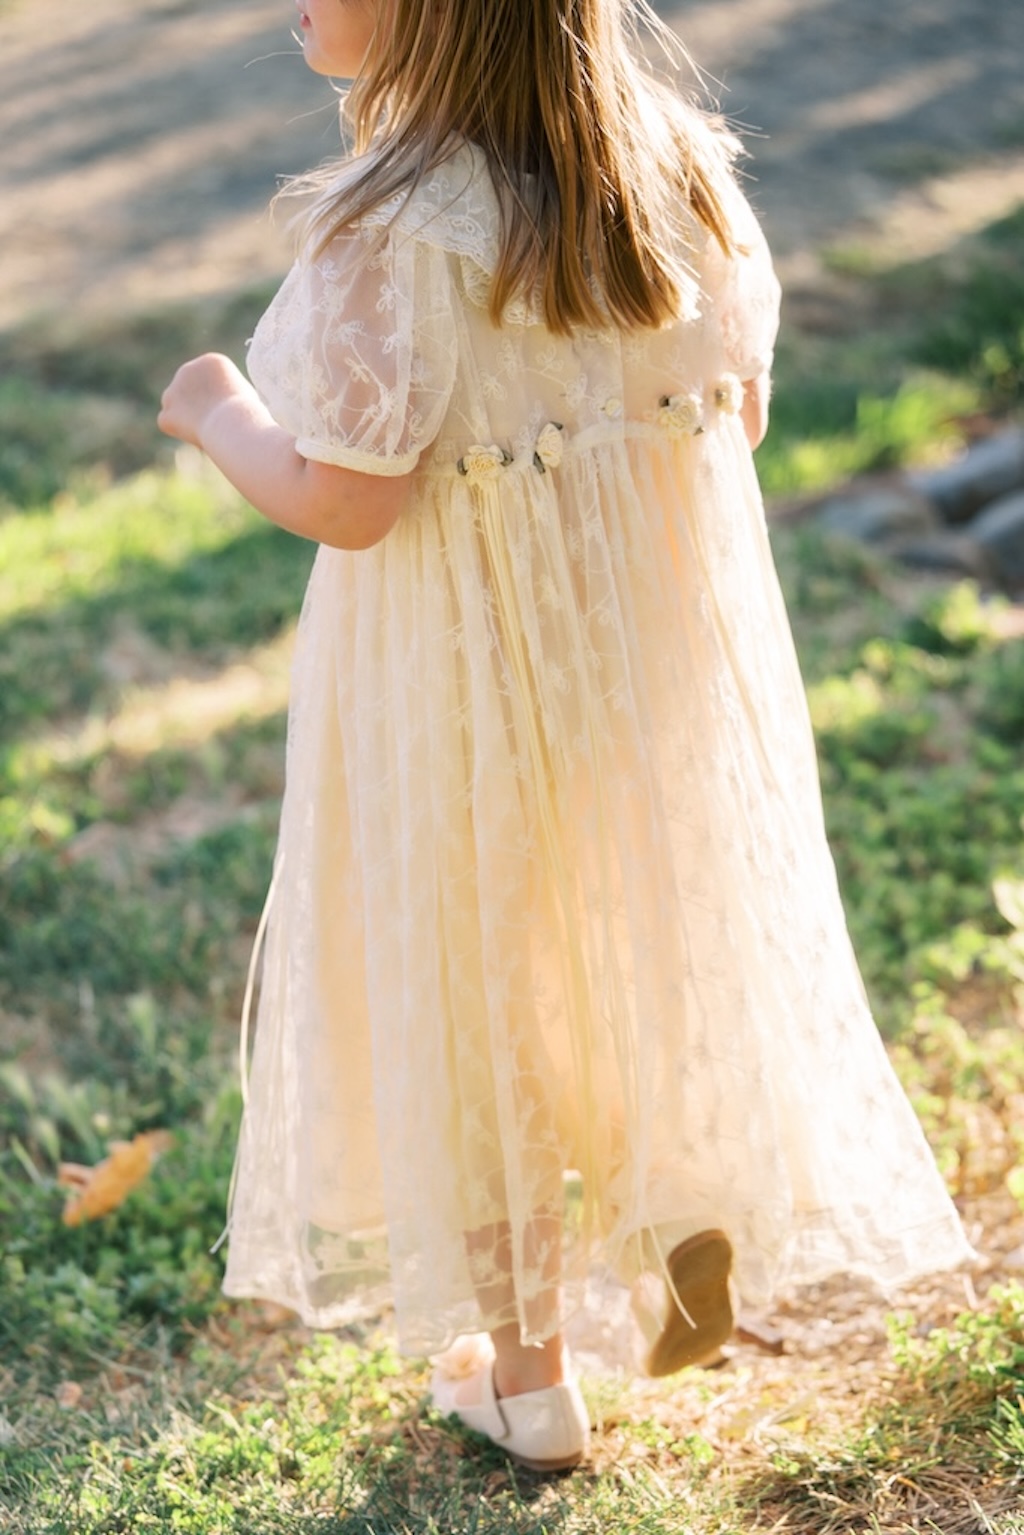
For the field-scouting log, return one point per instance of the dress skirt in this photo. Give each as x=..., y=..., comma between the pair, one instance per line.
x=556, y=970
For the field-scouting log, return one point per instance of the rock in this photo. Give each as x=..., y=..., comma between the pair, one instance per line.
x=955, y=552
x=990, y=548
x=878, y=512
x=987, y=470
x=966, y=519
x=754, y=1328
x=998, y=532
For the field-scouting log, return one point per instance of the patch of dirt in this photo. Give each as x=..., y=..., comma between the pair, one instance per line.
x=142, y=144
x=900, y=123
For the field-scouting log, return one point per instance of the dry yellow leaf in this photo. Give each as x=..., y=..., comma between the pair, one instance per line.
x=100, y=1189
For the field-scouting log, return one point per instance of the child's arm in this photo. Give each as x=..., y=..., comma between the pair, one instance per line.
x=754, y=410
x=211, y=404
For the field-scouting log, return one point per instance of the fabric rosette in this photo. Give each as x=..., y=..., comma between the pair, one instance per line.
x=728, y=393
x=549, y=447
x=682, y=415
x=482, y=464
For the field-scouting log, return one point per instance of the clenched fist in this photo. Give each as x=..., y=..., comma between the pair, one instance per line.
x=195, y=392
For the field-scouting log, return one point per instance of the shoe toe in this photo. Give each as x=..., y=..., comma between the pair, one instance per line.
x=546, y=1430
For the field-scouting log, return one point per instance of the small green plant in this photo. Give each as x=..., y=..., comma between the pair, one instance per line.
x=940, y=1440
x=955, y=621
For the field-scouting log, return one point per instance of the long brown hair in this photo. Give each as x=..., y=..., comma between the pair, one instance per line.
x=599, y=169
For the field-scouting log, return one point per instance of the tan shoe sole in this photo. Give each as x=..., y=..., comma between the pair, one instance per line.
x=567, y=1463
x=699, y=1270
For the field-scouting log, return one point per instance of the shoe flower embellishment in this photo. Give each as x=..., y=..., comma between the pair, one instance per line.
x=480, y=465
x=728, y=393
x=550, y=444
x=682, y=415
x=467, y=1356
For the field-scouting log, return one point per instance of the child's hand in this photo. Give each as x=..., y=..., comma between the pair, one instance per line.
x=194, y=393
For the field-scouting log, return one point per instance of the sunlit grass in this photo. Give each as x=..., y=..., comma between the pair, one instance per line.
x=90, y=545
x=826, y=433
x=337, y=1438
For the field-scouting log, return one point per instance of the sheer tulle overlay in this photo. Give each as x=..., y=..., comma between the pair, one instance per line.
x=556, y=969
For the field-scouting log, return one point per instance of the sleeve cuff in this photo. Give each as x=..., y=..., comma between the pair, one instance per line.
x=352, y=458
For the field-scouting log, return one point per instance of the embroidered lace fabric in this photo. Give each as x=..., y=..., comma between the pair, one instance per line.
x=552, y=895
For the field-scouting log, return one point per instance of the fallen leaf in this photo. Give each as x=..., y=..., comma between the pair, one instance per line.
x=100, y=1189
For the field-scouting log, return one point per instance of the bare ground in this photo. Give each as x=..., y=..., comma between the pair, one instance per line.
x=141, y=144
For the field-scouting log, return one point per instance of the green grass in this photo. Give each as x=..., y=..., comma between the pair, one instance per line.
x=145, y=623
x=344, y=1444
x=278, y=1464
x=914, y=353
x=82, y=403
x=919, y=735
x=179, y=560
x=828, y=430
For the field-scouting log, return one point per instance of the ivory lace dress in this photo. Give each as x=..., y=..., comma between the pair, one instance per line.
x=554, y=926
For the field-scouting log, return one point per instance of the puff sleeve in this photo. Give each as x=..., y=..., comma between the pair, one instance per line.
x=743, y=291
x=356, y=355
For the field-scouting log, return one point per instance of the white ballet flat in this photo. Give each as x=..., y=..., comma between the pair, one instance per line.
x=546, y=1430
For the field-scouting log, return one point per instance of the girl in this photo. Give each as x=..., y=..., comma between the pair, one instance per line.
x=556, y=968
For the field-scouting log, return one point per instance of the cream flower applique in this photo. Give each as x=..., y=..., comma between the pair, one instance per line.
x=682, y=414
x=548, y=451
x=468, y=1354
x=480, y=464
x=728, y=393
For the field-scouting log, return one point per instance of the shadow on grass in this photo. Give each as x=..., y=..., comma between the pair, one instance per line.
x=65, y=927
x=81, y=398
x=216, y=601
